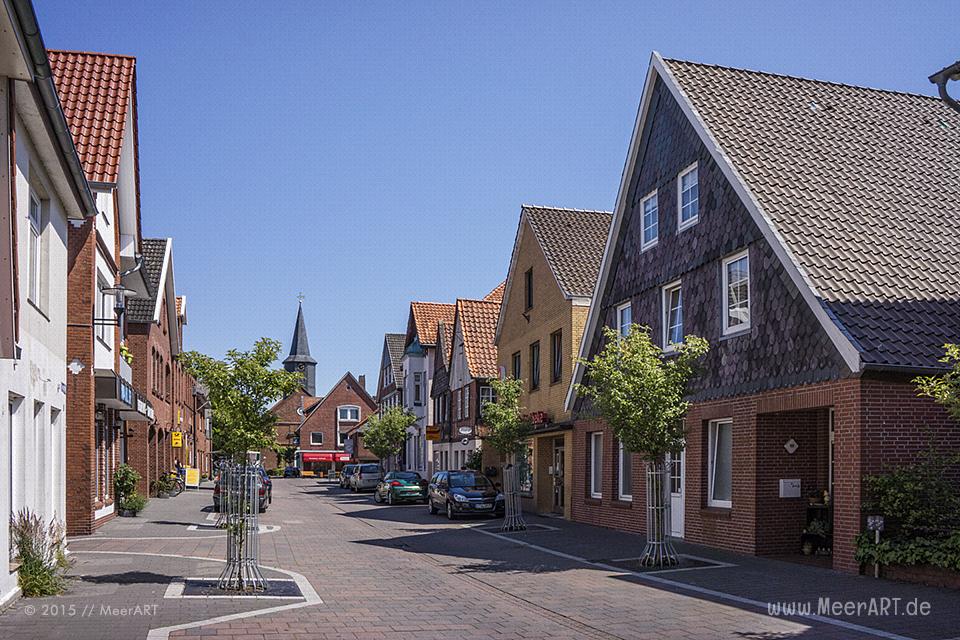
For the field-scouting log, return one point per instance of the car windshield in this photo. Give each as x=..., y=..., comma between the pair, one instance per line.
x=403, y=475
x=347, y=470
x=370, y=468
x=469, y=480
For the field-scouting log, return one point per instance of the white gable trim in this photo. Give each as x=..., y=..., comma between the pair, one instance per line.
x=844, y=345
x=168, y=291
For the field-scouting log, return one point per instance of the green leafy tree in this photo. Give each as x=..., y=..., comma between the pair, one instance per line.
x=242, y=387
x=384, y=435
x=641, y=393
x=507, y=432
x=945, y=388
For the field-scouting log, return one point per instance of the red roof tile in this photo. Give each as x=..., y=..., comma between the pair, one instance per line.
x=497, y=294
x=424, y=318
x=95, y=91
x=478, y=321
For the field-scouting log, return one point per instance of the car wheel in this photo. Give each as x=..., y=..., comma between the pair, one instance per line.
x=450, y=514
x=431, y=508
x=390, y=498
x=376, y=497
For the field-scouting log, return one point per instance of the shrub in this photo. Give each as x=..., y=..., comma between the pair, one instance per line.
x=125, y=480
x=40, y=549
x=163, y=484
x=133, y=502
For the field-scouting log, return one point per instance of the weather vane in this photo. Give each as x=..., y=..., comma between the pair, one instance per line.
x=300, y=297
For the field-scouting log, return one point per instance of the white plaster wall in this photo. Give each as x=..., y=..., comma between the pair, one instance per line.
x=104, y=349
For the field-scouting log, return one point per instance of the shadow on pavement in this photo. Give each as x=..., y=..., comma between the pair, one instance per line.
x=128, y=577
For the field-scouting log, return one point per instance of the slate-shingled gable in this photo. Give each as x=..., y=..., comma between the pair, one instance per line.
x=861, y=185
x=141, y=309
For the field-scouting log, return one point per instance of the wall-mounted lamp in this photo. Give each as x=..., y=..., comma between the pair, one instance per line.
x=120, y=295
x=942, y=77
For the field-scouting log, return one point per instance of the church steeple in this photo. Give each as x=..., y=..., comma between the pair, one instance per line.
x=299, y=358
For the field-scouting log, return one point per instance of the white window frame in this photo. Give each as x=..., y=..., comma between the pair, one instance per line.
x=104, y=309
x=628, y=497
x=644, y=243
x=665, y=297
x=314, y=443
x=486, y=395
x=712, y=434
x=727, y=329
x=681, y=224
x=460, y=403
x=466, y=402
x=36, y=253
x=418, y=388
x=596, y=464
x=626, y=306
x=340, y=417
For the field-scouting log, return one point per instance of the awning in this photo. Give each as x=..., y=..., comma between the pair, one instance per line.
x=317, y=457
x=116, y=393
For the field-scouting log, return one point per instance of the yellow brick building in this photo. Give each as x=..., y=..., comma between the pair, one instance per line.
x=553, y=269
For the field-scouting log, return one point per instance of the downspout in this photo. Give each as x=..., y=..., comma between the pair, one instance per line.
x=43, y=77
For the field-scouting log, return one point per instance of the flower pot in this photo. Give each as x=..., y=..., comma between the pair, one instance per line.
x=163, y=494
x=128, y=513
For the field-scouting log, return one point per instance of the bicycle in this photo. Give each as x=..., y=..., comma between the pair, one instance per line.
x=178, y=485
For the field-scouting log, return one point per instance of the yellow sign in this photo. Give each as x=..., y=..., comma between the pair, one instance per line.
x=176, y=439
x=433, y=434
x=193, y=477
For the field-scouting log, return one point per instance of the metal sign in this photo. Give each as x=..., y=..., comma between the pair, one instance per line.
x=465, y=431
x=465, y=441
x=874, y=523
x=176, y=439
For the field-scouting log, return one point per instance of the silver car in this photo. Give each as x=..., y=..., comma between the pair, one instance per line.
x=366, y=477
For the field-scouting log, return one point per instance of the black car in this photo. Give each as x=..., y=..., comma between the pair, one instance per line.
x=291, y=472
x=463, y=493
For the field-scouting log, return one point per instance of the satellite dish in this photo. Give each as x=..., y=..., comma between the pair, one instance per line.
x=300, y=411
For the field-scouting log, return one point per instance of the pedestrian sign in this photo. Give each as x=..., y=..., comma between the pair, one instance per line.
x=176, y=439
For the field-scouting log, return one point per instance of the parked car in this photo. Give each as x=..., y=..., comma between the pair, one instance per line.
x=264, y=491
x=345, y=474
x=365, y=477
x=291, y=472
x=401, y=486
x=463, y=493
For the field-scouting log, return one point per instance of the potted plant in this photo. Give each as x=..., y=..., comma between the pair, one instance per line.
x=814, y=536
x=162, y=486
x=125, y=353
x=132, y=504
x=125, y=480
x=814, y=497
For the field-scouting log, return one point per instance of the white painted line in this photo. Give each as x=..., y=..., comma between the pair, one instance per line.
x=213, y=516
x=163, y=633
x=174, y=590
x=720, y=595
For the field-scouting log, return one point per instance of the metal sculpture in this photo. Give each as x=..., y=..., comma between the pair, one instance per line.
x=239, y=509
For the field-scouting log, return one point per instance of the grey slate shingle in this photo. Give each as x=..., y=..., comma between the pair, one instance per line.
x=395, y=348
x=573, y=241
x=141, y=309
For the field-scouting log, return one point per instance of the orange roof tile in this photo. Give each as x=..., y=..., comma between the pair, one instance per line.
x=497, y=294
x=424, y=318
x=478, y=322
x=95, y=91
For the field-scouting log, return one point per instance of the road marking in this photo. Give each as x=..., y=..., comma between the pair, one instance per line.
x=720, y=595
x=163, y=633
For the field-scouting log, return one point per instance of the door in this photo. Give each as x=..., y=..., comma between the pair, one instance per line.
x=558, y=493
x=677, y=473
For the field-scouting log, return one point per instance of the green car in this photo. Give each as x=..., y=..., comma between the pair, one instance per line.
x=401, y=486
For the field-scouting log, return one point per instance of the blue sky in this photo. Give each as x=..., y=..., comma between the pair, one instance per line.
x=369, y=154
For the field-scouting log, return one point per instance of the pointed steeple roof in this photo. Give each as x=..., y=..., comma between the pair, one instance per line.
x=299, y=347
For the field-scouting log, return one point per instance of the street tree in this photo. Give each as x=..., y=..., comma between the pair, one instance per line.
x=384, y=435
x=508, y=432
x=242, y=388
x=945, y=388
x=640, y=391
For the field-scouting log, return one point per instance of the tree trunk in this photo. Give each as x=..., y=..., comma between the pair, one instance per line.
x=659, y=551
x=513, y=514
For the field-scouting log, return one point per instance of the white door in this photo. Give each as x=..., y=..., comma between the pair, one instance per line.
x=677, y=472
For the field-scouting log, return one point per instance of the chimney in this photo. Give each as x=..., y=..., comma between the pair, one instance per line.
x=363, y=381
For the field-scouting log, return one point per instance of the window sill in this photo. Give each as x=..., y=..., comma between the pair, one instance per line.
x=735, y=334
x=649, y=246
x=594, y=500
x=683, y=226
x=38, y=309
x=718, y=513
x=622, y=503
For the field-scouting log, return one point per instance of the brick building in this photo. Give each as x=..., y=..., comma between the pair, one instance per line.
x=553, y=270
x=98, y=94
x=772, y=216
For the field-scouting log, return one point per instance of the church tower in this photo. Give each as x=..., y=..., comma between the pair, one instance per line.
x=299, y=358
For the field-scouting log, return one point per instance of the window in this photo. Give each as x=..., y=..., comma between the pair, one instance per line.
x=460, y=403
x=103, y=312
x=535, y=366
x=348, y=414
x=316, y=437
x=387, y=375
x=35, y=258
x=625, y=474
x=556, y=356
x=528, y=283
x=466, y=402
x=736, y=293
x=624, y=319
x=720, y=463
x=651, y=222
x=688, y=198
x=516, y=365
x=596, y=464
x=672, y=316
x=525, y=471
x=417, y=393
x=486, y=395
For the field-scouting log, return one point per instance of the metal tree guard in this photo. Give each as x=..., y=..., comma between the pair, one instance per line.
x=240, y=508
x=659, y=551
x=513, y=513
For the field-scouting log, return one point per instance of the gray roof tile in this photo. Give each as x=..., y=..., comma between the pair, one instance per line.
x=573, y=241
x=153, y=250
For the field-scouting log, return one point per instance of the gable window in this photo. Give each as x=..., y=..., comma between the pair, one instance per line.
x=516, y=365
x=387, y=375
x=651, y=222
x=460, y=403
x=720, y=463
x=466, y=402
x=528, y=289
x=624, y=319
x=486, y=395
x=535, y=366
x=688, y=198
x=348, y=414
x=736, y=293
x=596, y=464
x=556, y=356
x=316, y=438
x=417, y=389
x=35, y=265
x=672, y=316
x=625, y=474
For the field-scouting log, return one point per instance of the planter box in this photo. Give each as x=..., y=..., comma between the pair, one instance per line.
x=920, y=574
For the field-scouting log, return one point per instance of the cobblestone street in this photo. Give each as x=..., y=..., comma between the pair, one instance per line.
x=369, y=571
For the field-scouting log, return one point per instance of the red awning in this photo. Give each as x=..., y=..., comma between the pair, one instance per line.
x=317, y=457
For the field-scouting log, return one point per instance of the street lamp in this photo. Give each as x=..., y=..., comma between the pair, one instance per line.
x=942, y=77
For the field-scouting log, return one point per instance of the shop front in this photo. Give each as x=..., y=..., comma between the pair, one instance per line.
x=324, y=464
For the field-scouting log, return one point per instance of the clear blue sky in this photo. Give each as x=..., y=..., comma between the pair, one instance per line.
x=370, y=154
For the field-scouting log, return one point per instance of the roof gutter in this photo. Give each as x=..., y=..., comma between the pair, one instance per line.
x=43, y=78
x=904, y=369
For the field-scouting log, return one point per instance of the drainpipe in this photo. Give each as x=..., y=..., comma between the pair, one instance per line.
x=26, y=19
x=942, y=77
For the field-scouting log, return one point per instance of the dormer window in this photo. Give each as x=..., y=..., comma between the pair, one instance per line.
x=688, y=197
